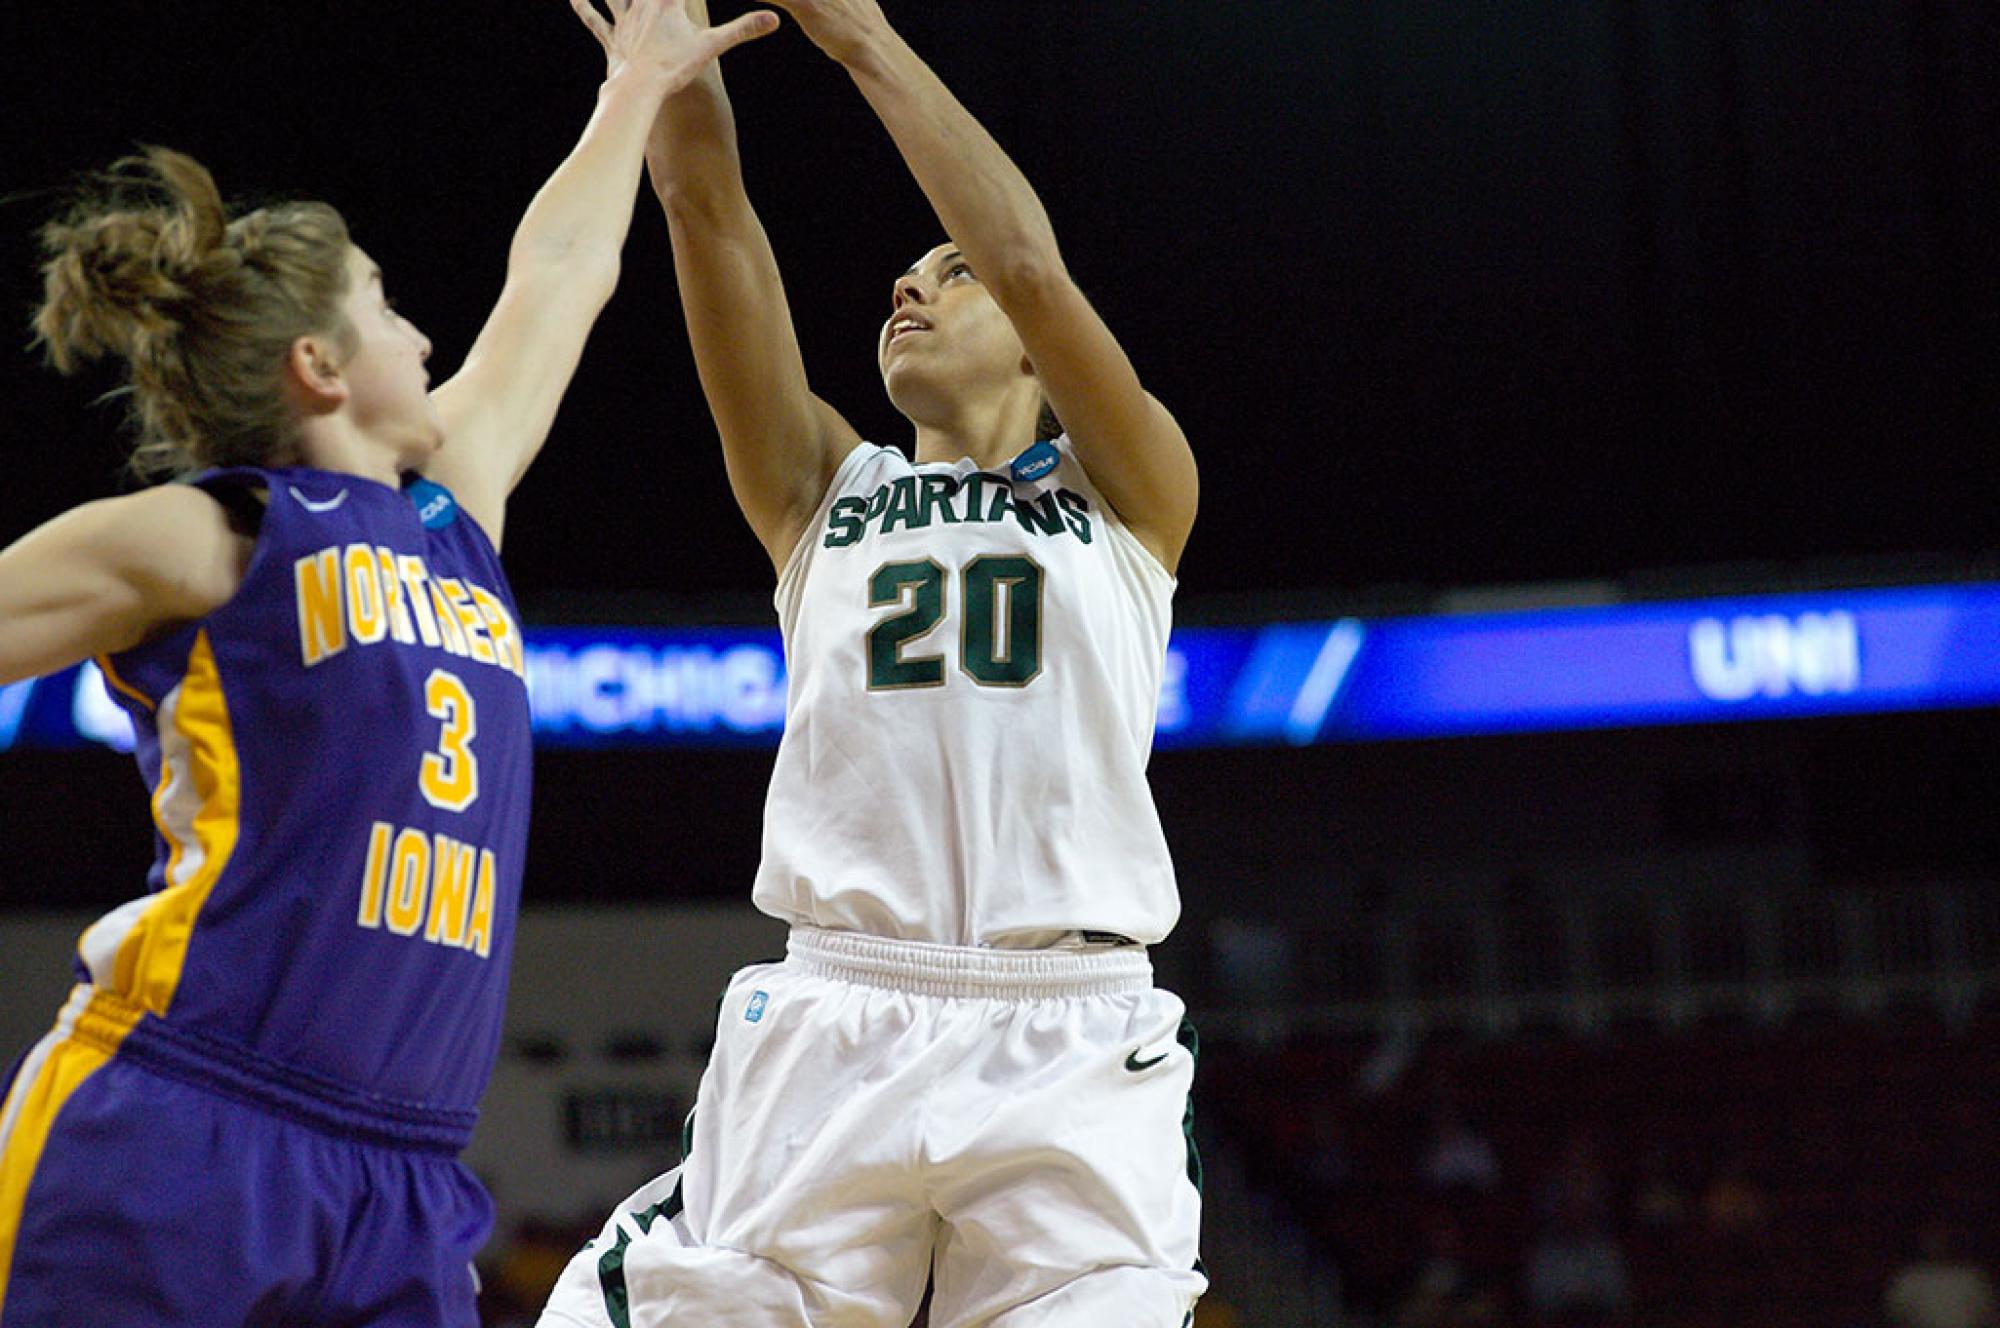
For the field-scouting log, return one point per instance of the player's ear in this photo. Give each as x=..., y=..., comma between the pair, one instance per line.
x=313, y=380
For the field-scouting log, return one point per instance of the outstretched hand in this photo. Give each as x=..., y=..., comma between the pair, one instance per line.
x=658, y=36
x=841, y=28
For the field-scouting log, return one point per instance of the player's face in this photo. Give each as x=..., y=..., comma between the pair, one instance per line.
x=388, y=386
x=945, y=334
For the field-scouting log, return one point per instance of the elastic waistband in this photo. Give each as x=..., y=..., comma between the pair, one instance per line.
x=232, y=1070
x=926, y=969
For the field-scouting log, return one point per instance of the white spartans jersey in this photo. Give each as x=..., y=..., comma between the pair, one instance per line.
x=974, y=670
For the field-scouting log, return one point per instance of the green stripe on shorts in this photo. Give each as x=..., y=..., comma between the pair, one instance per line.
x=1188, y=1038
x=611, y=1268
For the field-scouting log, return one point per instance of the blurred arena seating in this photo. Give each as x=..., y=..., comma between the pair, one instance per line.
x=1751, y=1105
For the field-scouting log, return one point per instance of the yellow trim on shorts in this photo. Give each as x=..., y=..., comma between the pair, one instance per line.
x=147, y=970
x=99, y=1030
x=111, y=676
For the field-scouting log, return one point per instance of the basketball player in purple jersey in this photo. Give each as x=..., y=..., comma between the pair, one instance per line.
x=250, y=1108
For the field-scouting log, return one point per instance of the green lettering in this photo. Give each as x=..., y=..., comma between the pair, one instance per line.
x=1076, y=509
x=1002, y=640
x=1039, y=517
x=975, y=497
x=902, y=510
x=937, y=493
x=918, y=589
x=845, y=522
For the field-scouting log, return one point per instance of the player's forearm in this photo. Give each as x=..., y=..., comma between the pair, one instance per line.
x=691, y=154
x=987, y=206
x=727, y=275
x=580, y=216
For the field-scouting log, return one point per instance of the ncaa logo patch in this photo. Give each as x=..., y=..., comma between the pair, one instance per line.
x=755, y=1011
x=436, y=508
x=1035, y=463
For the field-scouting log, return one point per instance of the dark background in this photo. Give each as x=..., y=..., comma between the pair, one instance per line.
x=1446, y=294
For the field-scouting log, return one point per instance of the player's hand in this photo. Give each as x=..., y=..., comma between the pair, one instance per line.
x=658, y=39
x=841, y=28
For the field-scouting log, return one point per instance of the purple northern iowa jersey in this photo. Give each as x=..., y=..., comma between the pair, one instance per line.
x=340, y=763
x=249, y=1110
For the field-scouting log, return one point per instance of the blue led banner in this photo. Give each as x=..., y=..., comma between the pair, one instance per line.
x=1684, y=662
x=1689, y=662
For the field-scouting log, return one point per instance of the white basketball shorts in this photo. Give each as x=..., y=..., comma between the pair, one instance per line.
x=1014, y=1125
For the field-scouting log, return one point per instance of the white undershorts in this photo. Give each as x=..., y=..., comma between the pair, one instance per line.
x=1011, y=1125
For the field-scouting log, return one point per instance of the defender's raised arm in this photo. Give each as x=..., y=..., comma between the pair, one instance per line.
x=564, y=261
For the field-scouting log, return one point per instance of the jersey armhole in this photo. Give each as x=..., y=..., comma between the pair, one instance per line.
x=1112, y=521
x=795, y=563
x=243, y=497
x=243, y=494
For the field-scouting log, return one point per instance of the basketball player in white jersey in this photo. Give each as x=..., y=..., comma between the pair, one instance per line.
x=961, y=1071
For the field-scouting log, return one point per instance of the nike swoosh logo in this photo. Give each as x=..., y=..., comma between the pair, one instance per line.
x=326, y=505
x=1134, y=1064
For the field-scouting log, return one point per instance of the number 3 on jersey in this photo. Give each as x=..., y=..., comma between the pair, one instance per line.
x=1000, y=644
x=449, y=778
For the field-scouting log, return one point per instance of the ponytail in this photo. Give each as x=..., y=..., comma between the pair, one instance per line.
x=146, y=267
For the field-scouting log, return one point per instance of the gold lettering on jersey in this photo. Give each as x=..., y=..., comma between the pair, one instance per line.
x=367, y=595
x=365, y=616
x=479, y=930
x=451, y=887
x=429, y=886
x=417, y=578
x=392, y=598
x=409, y=880
x=467, y=613
x=447, y=621
x=506, y=641
x=372, y=875
x=322, y=625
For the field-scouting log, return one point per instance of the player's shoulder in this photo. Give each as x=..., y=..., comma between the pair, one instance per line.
x=161, y=518
x=181, y=540
x=866, y=462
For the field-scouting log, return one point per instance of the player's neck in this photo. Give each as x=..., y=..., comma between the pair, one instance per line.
x=333, y=443
x=991, y=434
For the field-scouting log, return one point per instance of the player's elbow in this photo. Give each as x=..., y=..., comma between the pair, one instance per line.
x=1028, y=275
x=574, y=274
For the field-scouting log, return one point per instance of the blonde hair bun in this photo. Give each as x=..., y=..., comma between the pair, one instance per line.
x=145, y=265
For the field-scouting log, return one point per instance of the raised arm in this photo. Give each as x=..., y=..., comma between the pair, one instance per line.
x=105, y=576
x=563, y=264
x=781, y=443
x=1134, y=451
